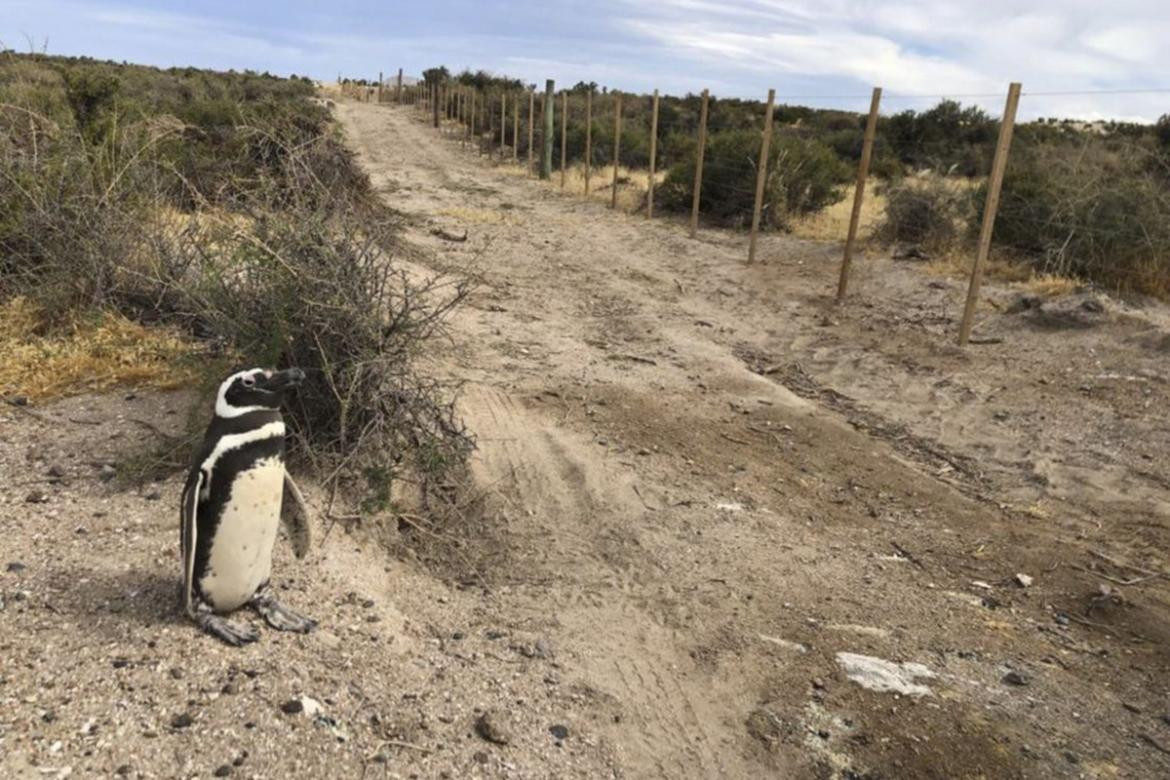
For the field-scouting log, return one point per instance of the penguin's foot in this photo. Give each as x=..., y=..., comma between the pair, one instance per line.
x=234, y=634
x=279, y=616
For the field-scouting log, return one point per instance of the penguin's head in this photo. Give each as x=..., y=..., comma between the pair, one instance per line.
x=255, y=389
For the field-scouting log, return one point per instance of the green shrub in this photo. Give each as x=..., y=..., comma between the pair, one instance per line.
x=803, y=176
x=929, y=211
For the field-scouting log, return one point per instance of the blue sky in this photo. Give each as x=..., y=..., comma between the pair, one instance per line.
x=827, y=48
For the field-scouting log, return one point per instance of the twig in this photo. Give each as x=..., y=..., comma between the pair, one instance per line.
x=635, y=358
x=1086, y=622
x=398, y=743
x=1118, y=580
x=907, y=555
x=734, y=440
x=1123, y=565
x=151, y=426
x=1155, y=744
x=643, y=499
x=446, y=236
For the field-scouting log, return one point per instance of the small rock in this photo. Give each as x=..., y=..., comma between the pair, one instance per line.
x=559, y=731
x=223, y=770
x=292, y=707
x=55, y=471
x=231, y=688
x=120, y=663
x=37, y=497
x=182, y=721
x=480, y=757
x=107, y=472
x=153, y=495
x=1016, y=678
x=1024, y=581
x=176, y=673
x=15, y=567
x=487, y=728
x=124, y=770
x=17, y=400
x=544, y=648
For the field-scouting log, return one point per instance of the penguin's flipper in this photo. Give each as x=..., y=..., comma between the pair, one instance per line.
x=294, y=514
x=188, y=516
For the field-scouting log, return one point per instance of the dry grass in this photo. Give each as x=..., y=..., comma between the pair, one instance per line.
x=1005, y=269
x=479, y=216
x=832, y=223
x=632, y=184
x=90, y=355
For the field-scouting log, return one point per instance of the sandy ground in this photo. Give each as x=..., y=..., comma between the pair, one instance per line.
x=705, y=488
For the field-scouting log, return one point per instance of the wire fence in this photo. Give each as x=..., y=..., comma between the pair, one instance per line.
x=1078, y=199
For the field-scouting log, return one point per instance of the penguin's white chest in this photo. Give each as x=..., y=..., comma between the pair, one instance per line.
x=241, y=551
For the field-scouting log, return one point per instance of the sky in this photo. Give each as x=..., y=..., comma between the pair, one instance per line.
x=1076, y=58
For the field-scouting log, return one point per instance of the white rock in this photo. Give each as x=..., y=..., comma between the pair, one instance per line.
x=877, y=674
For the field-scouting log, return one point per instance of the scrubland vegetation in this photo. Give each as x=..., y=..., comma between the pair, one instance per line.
x=223, y=211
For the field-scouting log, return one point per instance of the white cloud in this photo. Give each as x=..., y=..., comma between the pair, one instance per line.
x=923, y=46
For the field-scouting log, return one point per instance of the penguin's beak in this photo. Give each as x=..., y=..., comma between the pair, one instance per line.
x=281, y=381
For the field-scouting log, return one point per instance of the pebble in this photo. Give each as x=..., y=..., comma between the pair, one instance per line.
x=1016, y=678
x=176, y=673
x=37, y=497
x=487, y=728
x=107, y=472
x=182, y=721
x=223, y=770
x=14, y=567
x=153, y=495
x=292, y=707
x=559, y=731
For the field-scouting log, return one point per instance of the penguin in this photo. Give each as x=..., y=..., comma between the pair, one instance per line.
x=236, y=495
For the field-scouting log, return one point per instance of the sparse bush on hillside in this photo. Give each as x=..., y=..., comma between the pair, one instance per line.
x=245, y=223
x=1098, y=210
x=929, y=211
x=803, y=176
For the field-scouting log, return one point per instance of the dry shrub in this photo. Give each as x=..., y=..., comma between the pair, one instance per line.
x=929, y=211
x=1098, y=209
x=273, y=253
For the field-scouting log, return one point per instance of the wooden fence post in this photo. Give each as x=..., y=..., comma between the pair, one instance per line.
x=564, y=131
x=435, y=106
x=588, y=137
x=531, y=124
x=503, y=123
x=761, y=176
x=379, y=87
x=994, y=184
x=699, y=153
x=653, y=154
x=617, y=145
x=859, y=192
x=398, y=89
x=471, y=116
x=549, y=119
x=516, y=129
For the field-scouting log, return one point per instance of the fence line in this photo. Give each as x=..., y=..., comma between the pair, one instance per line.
x=472, y=111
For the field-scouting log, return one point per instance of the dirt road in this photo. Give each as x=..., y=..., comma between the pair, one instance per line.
x=713, y=500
